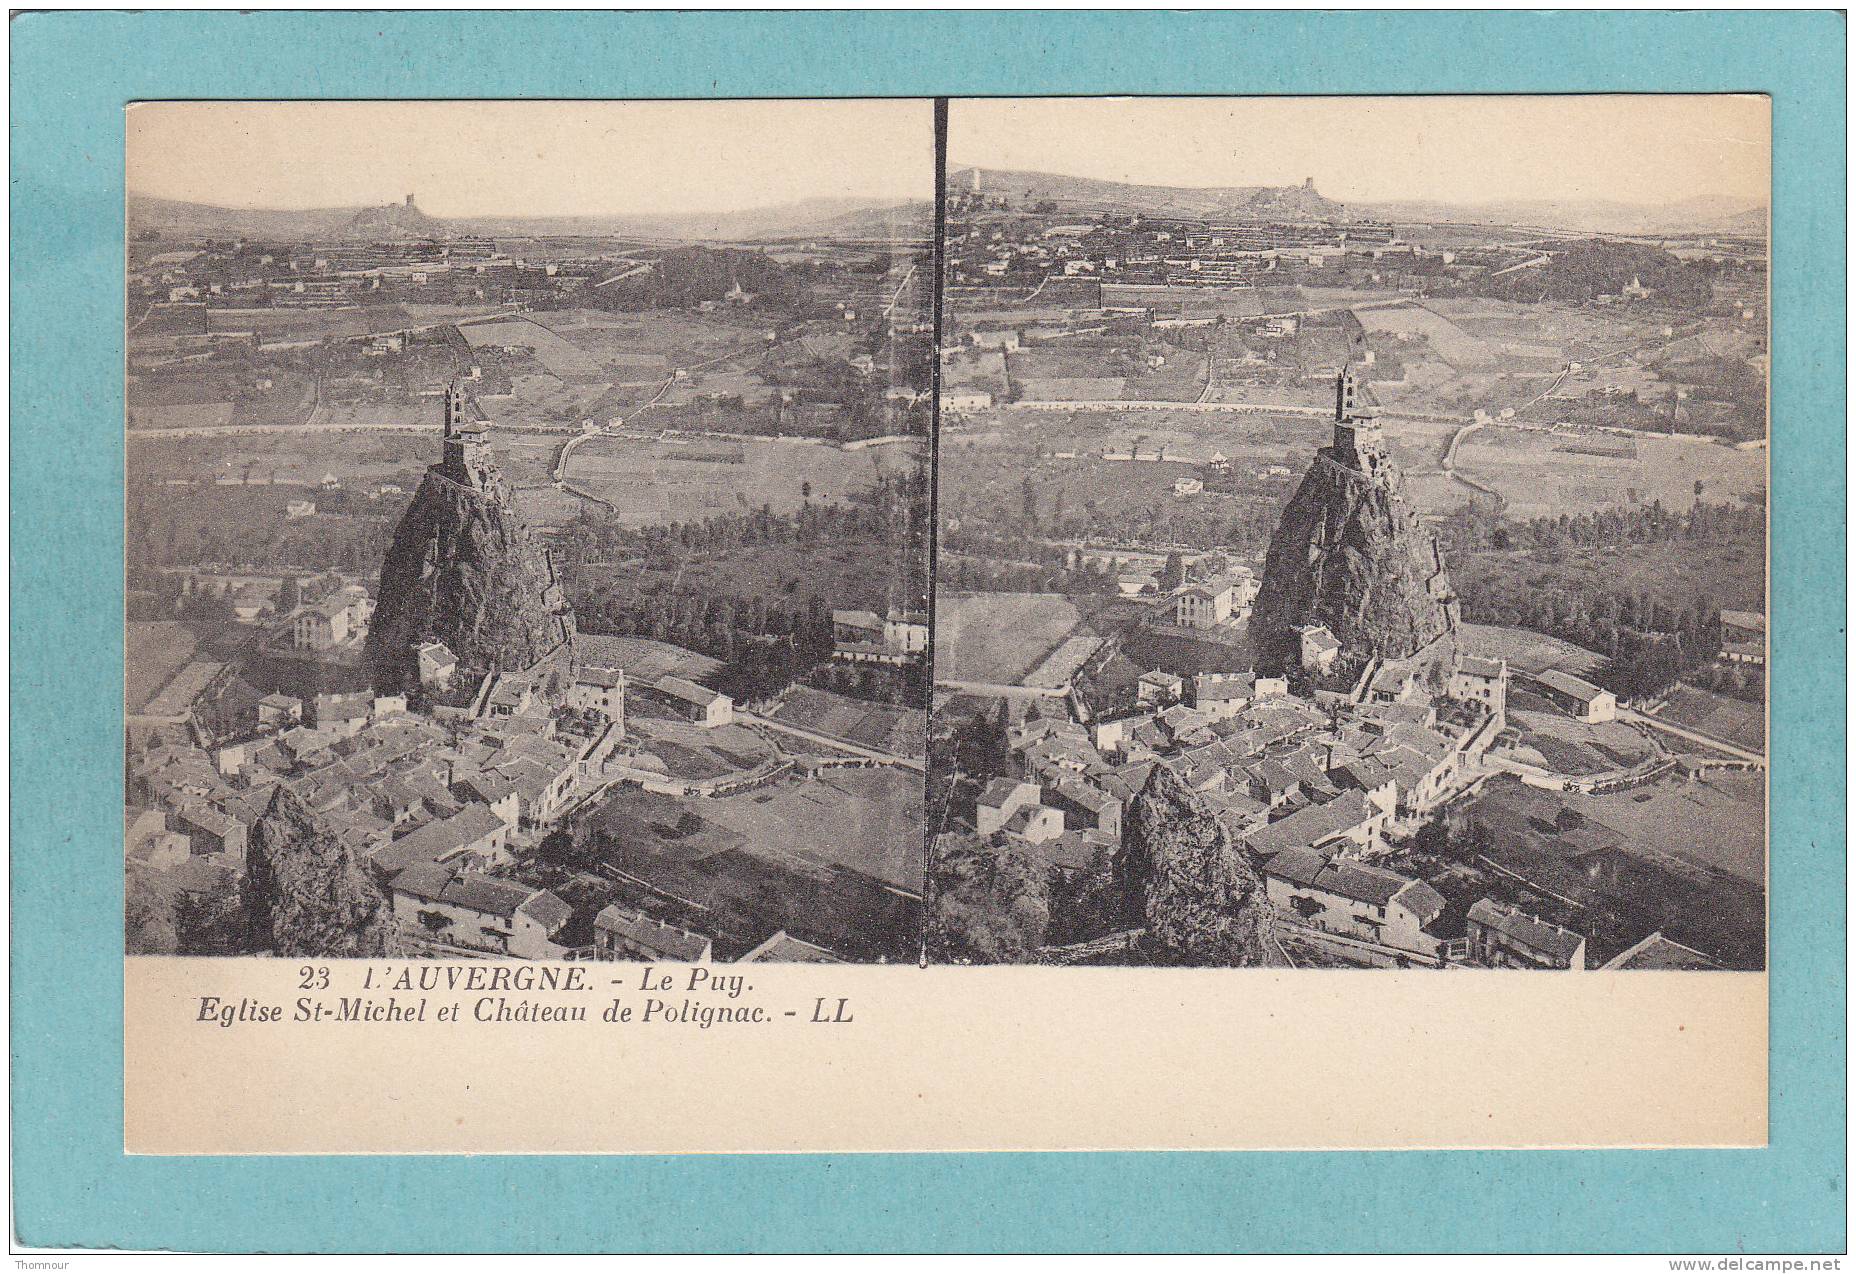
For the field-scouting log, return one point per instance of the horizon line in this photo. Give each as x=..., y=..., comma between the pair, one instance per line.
x=1762, y=202
x=874, y=201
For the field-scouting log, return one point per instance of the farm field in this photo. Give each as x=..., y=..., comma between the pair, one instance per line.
x=295, y=458
x=1734, y=720
x=633, y=345
x=1655, y=875
x=1554, y=740
x=654, y=482
x=1450, y=343
x=1540, y=474
x=562, y=359
x=1191, y=435
x=696, y=752
x=1299, y=393
x=740, y=887
x=900, y=731
x=999, y=638
x=1718, y=821
x=153, y=652
x=868, y=820
x=284, y=324
x=1524, y=650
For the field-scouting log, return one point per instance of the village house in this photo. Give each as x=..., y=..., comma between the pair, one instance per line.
x=437, y=665
x=1576, y=696
x=474, y=837
x=1743, y=637
x=326, y=623
x=621, y=934
x=278, y=712
x=861, y=636
x=208, y=831
x=1483, y=681
x=1156, y=687
x=1001, y=799
x=856, y=628
x=1659, y=952
x=689, y=701
x=1394, y=682
x=1086, y=806
x=600, y=690
x=435, y=903
x=1220, y=695
x=1320, y=649
x=340, y=715
x=1270, y=781
x=906, y=631
x=1356, y=900
x=783, y=948
x=488, y=787
x=1347, y=824
x=1034, y=823
x=1205, y=605
x=1504, y=937
x=1373, y=778
x=147, y=839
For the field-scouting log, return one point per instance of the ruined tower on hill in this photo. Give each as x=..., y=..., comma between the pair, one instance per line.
x=1351, y=555
x=465, y=570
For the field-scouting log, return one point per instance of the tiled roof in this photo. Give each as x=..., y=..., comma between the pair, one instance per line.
x=1529, y=931
x=653, y=935
x=1658, y=952
x=605, y=678
x=1421, y=901
x=998, y=792
x=1315, y=825
x=686, y=691
x=783, y=948
x=1343, y=879
x=1567, y=684
x=440, y=840
x=547, y=909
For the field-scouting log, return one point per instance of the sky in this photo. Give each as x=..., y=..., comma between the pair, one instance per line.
x=465, y=159
x=1631, y=149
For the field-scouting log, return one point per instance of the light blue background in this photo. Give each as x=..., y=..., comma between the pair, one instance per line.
x=73, y=72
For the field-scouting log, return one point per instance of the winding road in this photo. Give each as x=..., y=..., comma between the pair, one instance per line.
x=1693, y=736
x=831, y=741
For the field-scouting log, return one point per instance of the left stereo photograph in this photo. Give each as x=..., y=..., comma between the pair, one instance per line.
x=527, y=528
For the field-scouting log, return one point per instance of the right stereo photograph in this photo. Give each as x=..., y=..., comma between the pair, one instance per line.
x=1352, y=533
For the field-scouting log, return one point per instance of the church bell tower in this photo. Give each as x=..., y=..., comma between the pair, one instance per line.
x=467, y=447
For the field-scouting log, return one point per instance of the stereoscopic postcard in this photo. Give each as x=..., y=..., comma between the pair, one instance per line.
x=974, y=624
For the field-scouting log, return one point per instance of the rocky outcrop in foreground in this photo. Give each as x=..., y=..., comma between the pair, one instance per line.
x=1181, y=875
x=308, y=894
x=465, y=570
x=1350, y=554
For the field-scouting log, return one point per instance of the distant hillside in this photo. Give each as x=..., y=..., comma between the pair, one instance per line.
x=822, y=218
x=197, y=220
x=393, y=221
x=1701, y=215
x=1292, y=203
